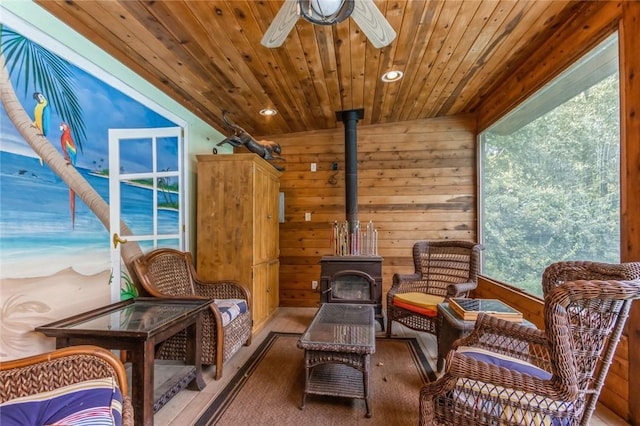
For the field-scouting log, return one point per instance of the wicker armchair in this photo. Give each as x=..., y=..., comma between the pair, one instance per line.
x=563, y=367
x=442, y=268
x=63, y=367
x=170, y=273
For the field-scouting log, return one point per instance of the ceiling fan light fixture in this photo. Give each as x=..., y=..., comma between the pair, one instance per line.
x=391, y=76
x=326, y=7
x=268, y=112
x=325, y=12
x=365, y=14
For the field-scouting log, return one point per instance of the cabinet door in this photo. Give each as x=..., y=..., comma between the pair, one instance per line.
x=266, y=217
x=225, y=219
x=273, y=227
x=273, y=289
x=259, y=296
x=261, y=219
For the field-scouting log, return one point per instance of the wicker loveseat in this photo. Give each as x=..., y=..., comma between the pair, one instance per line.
x=51, y=374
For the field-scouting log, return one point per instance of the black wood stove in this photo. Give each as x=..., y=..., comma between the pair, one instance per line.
x=352, y=279
x=358, y=278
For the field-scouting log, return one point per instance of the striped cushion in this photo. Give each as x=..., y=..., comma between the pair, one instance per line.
x=413, y=308
x=425, y=304
x=230, y=309
x=95, y=402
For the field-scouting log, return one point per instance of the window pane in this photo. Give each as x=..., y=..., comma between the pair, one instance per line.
x=550, y=186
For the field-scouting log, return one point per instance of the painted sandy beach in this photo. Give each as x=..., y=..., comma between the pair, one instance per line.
x=29, y=302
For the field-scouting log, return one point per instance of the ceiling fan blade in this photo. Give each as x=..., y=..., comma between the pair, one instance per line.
x=282, y=24
x=373, y=23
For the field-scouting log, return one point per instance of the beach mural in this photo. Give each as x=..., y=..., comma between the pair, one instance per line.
x=54, y=164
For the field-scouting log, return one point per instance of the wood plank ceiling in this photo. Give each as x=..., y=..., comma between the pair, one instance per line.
x=207, y=56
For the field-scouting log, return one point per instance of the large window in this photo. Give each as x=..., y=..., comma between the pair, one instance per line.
x=550, y=175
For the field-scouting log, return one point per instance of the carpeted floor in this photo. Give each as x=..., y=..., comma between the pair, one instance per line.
x=267, y=390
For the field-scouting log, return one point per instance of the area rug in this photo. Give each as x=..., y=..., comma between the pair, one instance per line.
x=267, y=390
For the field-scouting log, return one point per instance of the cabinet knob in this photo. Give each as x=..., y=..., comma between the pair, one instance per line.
x=268, y=216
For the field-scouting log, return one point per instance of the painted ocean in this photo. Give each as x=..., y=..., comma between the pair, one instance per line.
x=35, y=220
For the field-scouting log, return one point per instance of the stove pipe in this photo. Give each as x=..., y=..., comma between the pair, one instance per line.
x=350, y=119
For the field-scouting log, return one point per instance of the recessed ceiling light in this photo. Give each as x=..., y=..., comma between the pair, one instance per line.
x=268, y=112
x=390, y=76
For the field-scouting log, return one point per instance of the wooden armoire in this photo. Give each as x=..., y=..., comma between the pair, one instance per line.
x=237, y=226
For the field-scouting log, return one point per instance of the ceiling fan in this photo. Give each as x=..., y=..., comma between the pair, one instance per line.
x=329, y=12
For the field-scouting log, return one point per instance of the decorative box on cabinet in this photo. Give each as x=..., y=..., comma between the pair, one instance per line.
x=237, y=226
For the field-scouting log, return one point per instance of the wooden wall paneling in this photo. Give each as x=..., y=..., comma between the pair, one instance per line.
x=250, y=71
x=357, y=64
x=373, y=112
x=416, y=180
x=630, y=179
x=234, y=25
x=423, y=35
x=615, y=394
x=438, y=37
x=576, y=37
x=109, y=16
x=324, y=39
x=160, y=48
x=342, y=51
x=318, y=75
x=191, y=21
x=497, y=66
x=475, y=59
x=293, y=103
x=370, y=84
x=311, y=67
x=457, y=46
x=378, y=60
x=295, y=72
x=396, y=54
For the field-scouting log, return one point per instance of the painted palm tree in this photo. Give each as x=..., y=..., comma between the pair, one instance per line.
x=51, y=72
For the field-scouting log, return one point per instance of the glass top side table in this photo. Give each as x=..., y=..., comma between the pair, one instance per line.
x=137, y=325
x=452, y=327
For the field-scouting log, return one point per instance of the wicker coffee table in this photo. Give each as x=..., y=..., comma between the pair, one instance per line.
x=337, y=352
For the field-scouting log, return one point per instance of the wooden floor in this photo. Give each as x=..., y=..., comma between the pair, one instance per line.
x=185, y=408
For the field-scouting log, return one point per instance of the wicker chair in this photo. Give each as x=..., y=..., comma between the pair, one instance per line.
x=63, y=367
x=569, y=361
x=170, y=273
x=442, y=268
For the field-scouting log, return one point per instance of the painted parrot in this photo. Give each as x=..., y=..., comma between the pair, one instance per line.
x=69, y=151
x=41, y=115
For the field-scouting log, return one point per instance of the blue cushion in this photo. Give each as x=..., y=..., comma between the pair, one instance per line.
x=507, y=411
x=505, y=361
x=230, y=309
x=92, y=402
